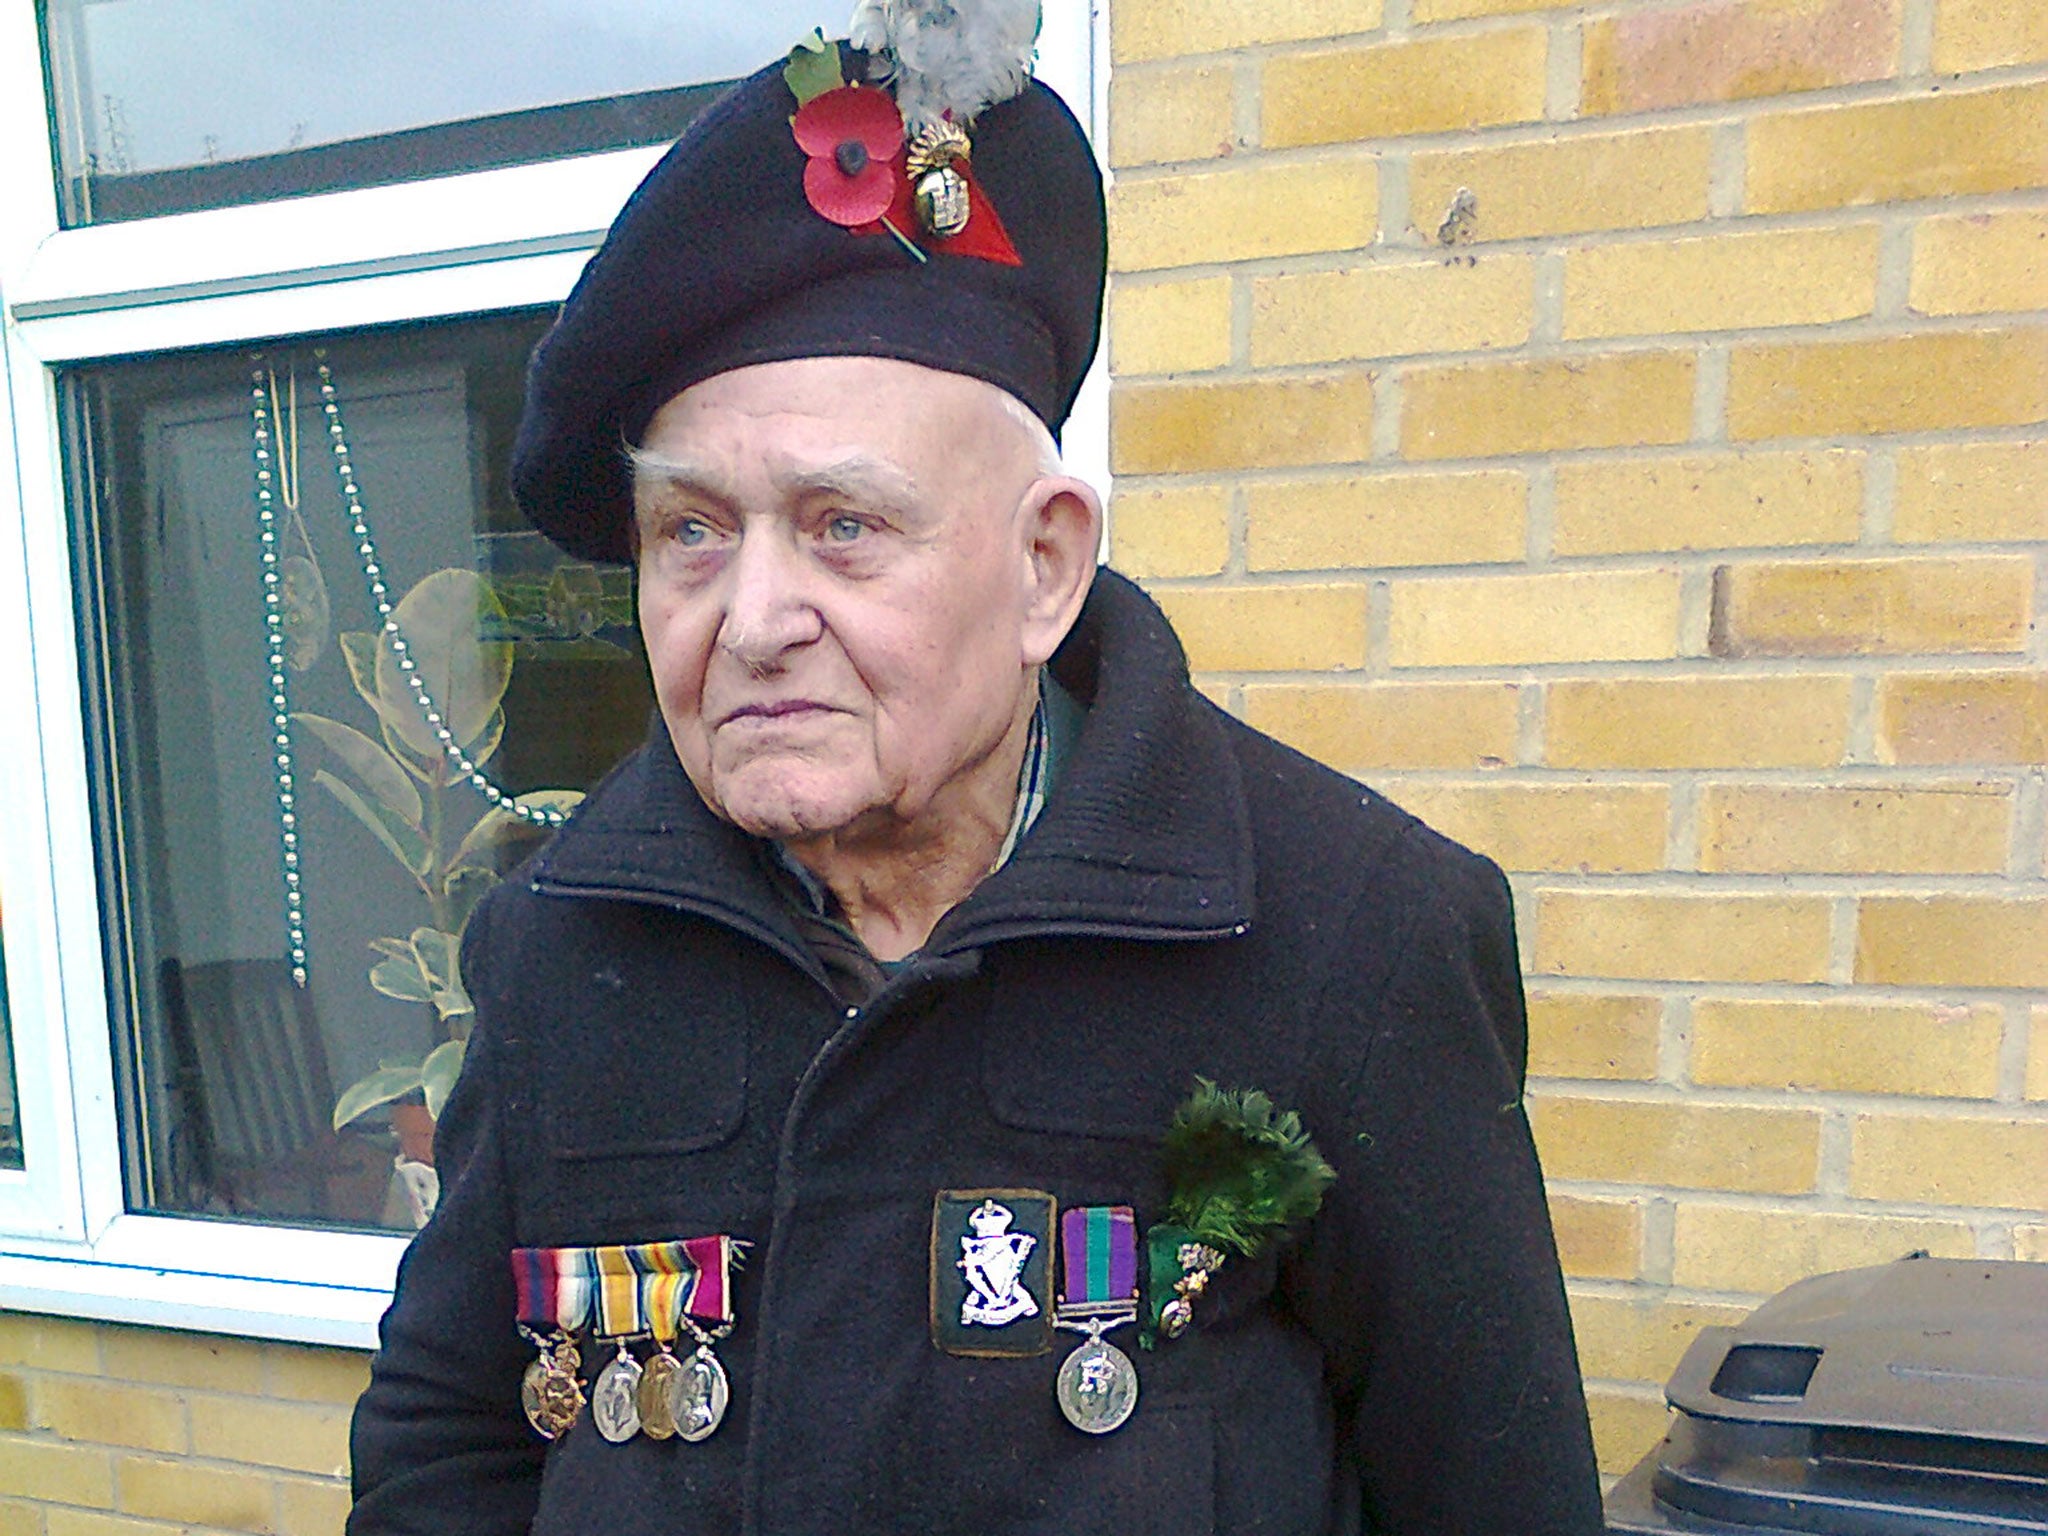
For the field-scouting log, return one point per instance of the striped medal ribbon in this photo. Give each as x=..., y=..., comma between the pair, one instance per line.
x=1097, y=1386
x=615, y=1395
x=689, y=1284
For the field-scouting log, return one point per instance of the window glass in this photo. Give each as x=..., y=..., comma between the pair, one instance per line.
x=288, y=850
x=167, y=104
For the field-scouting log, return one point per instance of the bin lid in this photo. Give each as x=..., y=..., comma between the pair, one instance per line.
x=1909, y=1397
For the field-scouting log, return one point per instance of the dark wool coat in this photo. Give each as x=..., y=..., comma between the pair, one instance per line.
x=657, y=1056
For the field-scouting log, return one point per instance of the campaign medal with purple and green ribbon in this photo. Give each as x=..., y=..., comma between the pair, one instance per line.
x=1098, y=1386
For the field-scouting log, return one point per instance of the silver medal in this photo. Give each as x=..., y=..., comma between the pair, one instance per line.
x=614, y=1404
x=697, y=1396
x=1097, y=1387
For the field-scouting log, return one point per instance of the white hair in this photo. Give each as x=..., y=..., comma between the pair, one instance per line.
x=1045, y=448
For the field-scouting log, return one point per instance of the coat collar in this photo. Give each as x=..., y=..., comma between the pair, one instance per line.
x=1147, y=835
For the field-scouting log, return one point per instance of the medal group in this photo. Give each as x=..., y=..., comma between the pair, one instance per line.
x=1241, y=1176
x=627, y=1294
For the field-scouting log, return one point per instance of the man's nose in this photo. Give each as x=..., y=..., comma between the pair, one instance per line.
x=768, y=612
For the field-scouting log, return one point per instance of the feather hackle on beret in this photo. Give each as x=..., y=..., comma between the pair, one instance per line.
x=722, y=258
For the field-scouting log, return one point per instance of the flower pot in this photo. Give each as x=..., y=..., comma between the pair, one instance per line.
x=415, y=1129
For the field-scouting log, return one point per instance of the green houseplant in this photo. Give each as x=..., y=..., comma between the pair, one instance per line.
x=401, y=786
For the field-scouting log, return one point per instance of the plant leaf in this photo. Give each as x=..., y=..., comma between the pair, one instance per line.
x=378, y=770
x=407, y=843
x=359, y=650
x=488, y=739
x=442, y=619
x=437, y=950
x=464, y=888
x=496, y=827
x=813, y=68
x=402, y=979
x=386, y=1085
x=431, y=769
x=439, y=1072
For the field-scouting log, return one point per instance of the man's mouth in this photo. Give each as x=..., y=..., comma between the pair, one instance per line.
x=778, y=709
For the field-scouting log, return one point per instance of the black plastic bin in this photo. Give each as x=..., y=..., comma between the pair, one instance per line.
x=1906, y=1400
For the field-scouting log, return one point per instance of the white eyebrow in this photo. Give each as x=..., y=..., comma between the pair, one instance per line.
x=859, y=477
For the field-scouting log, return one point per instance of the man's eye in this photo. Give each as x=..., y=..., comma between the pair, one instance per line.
x=844, y=530
x=691, y=531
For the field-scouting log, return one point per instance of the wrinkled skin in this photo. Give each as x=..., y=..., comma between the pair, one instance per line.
x=850, y=570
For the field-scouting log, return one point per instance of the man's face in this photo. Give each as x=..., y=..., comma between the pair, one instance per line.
x=834, y=585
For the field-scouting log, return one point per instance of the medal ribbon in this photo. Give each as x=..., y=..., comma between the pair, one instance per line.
x=575, y=1276
x=712, y=1259
x=553, y=1286
x=667, y=1278
x=1099, y=1254
x=618, y=1293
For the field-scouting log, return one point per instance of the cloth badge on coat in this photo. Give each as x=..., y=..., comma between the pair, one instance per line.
x=991, y=1262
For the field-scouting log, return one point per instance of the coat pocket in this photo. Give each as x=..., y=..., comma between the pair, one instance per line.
x=648, y=1060
x=1156, y=1476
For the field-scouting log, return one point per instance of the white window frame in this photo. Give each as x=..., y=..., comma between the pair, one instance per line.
x=454, y=245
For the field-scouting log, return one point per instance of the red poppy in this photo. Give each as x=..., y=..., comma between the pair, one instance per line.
x=852, y=136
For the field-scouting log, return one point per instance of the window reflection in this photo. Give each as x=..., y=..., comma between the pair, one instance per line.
x=243, y=842
x=191, y=103
x=10, y=1105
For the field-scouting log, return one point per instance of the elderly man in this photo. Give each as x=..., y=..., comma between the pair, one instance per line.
x=891, y=1101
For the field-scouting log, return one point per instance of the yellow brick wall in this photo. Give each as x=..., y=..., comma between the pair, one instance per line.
x=1669, y=524
x=115, y=1431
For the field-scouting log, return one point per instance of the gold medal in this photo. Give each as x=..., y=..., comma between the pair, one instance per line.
x=658, y=1389
x=550, y=1392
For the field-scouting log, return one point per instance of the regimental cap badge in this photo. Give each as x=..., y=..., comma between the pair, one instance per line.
x=884, y=125
x=991, y=1271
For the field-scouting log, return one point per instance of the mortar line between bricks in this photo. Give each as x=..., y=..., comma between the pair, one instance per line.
x=1563, y=70
x=2012, y=1053
x=1815, y=887
x=1960, y=206
x=1682, y=835
x=1548, y=330
x=1378, y=627
x=1539, y=513
x=1797, y=1103
x=1831, y=1171
x=1727, y=169
x=1702, y=345
x=2029, y=827
x=1704, y=561
x=1396, y=212
x=1858, y=994
x=1660, y=1224
x=1859, y=750
x=1674, y=1040
x=1529, y=725
x=1916, y=40
x=2037, y=646
x=1880, y=496
x=1804, y=1202
x=1247, y=78
x=1638, y=453
x=1894, y=268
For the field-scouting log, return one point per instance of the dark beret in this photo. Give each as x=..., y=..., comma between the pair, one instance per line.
x=718, y=260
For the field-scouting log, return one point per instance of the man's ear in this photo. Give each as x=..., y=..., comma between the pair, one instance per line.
x=1062, y=522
